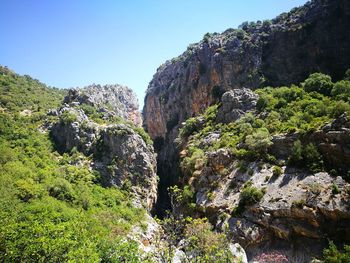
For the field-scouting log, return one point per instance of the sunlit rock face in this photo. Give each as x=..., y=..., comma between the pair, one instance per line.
x=117, y=150
x=114, y=100
x=279, y=52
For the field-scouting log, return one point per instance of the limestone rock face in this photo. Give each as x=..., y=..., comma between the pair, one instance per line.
x=118, y=152
x=278, y=52
x=296, y=205
x=235, y=103
x=115, y=99
x=79, y=132
x=333, y=141
x=123, y=157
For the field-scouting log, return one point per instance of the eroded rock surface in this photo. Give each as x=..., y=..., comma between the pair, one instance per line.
x=279, y=52
x=114, y=100
x=235, y=103
x=118, y=151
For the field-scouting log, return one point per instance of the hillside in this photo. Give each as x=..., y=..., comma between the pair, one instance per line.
x=241, y=154
x=277, y=52
x=251, y=130
x=53, y=205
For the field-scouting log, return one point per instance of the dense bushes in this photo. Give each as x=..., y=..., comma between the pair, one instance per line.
x=333, y=255
x=50, y=209
x=320, y=83
x=205, y=245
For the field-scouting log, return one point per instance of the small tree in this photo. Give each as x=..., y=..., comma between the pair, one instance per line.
x=341, y=90
x=296, y=155
x=320, y=83
x=259, y=141
x=206, y=245
x=347, y=75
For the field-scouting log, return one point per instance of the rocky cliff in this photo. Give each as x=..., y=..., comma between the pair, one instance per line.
x=119, y=150
x=282, y=51
x=115, y=100
x=249, y=186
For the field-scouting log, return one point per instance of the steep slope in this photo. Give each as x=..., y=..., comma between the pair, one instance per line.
x=54, y=206
x=96, y=121
x=274, y=172
x=282, y=51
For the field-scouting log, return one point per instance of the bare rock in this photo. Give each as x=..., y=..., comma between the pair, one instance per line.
x=235, y=103
x=114, y=100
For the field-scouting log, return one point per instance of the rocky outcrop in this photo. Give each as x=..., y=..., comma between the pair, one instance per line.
x=332, y=141
x=235, y=103
x=124, y=159
x=296, y=205
x=74, y=130
x=278, y=52
x=115, y=100
x=118, y=151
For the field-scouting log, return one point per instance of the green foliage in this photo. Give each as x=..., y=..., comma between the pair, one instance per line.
x=144, y=135
x=306, y=156
x=250, y=195
x=296, y=155
x=206, y=37
x=320, y=83
x=23, y=92
x=341, y=90
x=50, y=209
x=333, y=255
x=259, y=141
x=68, y=117
x=194, y=156
x=312, y=158
x=205, y=245
x=276, y=171
x=347, y=75
x=191, y=126
x=335, y=189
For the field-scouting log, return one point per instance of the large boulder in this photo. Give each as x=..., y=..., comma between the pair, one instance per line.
x=235, y=103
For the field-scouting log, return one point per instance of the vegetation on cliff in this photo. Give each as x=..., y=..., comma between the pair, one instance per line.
x=52, y=207
x=299, y=109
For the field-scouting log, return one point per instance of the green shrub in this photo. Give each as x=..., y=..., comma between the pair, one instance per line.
x=320, y=83
x=335, y=189
x=144, y=135
x=206, y=245
x=61, y=189
x=276, y=171
x=296, y=155
x=313, y=158
x=347, y=75
x=190, y=127
x=259, y=141
x=341, y=90
x=67, y=117
x=306, y=156
x=250, y=195
x=333, y=255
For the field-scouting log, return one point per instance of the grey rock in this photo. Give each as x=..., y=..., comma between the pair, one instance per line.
x=114, y=100
x=119, y=153
x=236, y=103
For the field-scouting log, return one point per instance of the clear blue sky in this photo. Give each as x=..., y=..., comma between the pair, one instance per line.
x=70, y=43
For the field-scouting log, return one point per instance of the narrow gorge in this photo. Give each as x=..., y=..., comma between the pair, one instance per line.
x=240, y=154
